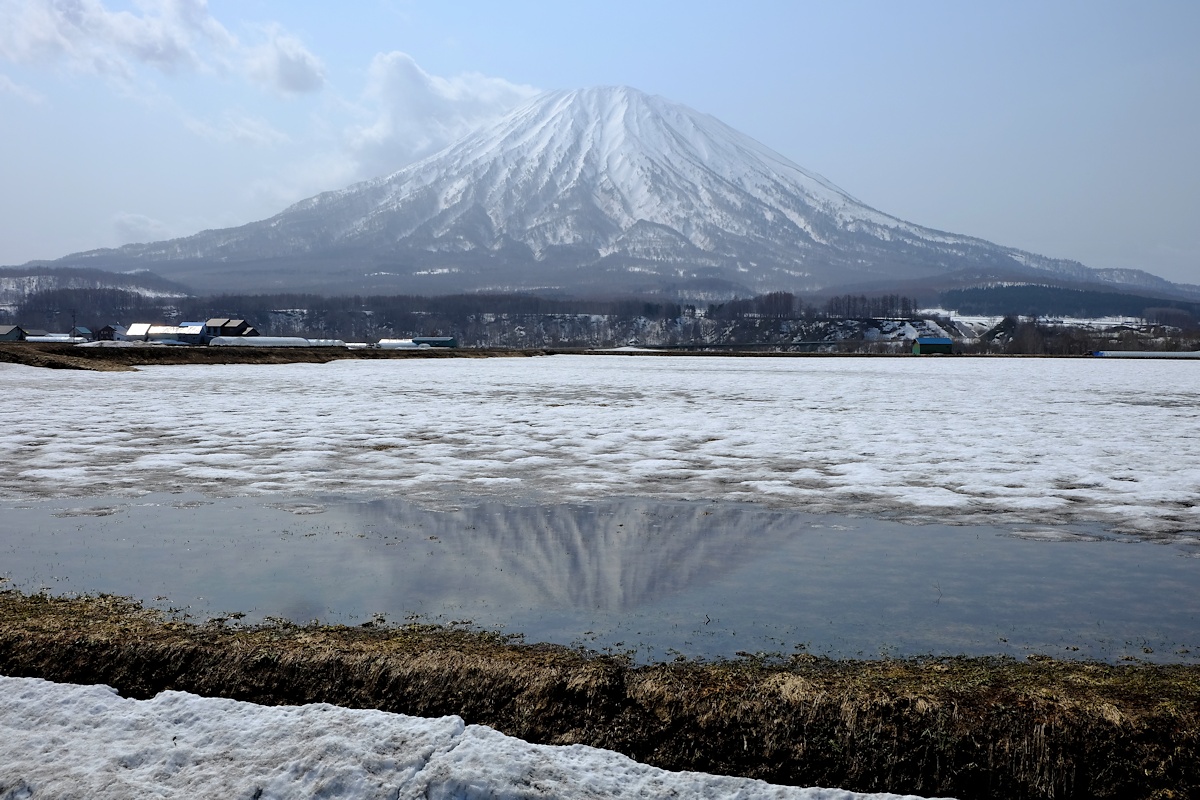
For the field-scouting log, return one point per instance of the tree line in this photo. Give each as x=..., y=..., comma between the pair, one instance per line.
x=785, y=305
x=362, y=316
x=774, y=320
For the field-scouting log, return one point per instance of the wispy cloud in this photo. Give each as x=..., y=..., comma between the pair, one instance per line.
x=414, y=114
x=10, y=86
x=89, y=37
x=404, y=114
x=235, y=126
x=139, y=228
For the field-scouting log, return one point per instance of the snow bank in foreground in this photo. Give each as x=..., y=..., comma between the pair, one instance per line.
x=59, y=740
x=1006, y=441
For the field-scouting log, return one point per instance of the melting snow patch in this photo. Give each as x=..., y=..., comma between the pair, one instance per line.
x=1036, y=442
x=300, y=509
x=1053, y=535
x=100, y=511
x=61, y=740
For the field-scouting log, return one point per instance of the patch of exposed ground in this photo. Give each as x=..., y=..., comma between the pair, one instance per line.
x=967, y=727
x=123, y=359
x=55, y=358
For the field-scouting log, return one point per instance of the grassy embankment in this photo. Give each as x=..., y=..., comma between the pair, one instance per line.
x=967, y=727
x=124, y=359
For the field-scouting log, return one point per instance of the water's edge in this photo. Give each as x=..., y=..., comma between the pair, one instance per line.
x=653, y=579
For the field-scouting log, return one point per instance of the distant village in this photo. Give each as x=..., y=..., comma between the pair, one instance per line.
x=933, y=335
x=216, y=332
x=920, y=337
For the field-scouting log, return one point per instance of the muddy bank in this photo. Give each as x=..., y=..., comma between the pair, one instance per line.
x=122, y=359
x=971, y=728
x=52, y=355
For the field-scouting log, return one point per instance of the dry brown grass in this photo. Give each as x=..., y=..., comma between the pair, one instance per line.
x=968, y=727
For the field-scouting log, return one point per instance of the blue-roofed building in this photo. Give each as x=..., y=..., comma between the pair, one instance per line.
x=927, y=345
x=435, y=341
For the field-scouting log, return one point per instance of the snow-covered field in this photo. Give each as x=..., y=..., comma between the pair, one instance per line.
x=962, y=440
x=59, y=740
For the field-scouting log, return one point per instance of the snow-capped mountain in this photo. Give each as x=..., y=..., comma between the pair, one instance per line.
x=596, y=189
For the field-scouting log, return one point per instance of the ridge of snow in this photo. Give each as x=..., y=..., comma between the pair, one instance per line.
x=64, y=740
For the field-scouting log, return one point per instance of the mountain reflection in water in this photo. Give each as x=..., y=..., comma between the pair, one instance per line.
x=698, y=578
x=613, y=557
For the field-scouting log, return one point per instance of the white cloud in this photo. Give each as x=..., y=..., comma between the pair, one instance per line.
x=169, y=36
x=409, y=114
x=416, y=114
x=284, y=64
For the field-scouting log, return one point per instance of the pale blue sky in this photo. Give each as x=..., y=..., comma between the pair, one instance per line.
x=1066, y=128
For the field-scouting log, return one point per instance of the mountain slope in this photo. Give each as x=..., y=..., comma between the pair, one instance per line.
x=19, y=284
x=597, y=189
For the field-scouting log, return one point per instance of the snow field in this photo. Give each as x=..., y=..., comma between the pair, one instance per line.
x=61, y=740
x=1028, y=441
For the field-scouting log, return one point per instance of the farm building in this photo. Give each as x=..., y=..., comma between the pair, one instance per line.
x=165, y=334
x=188, y=332
x=51, y=338
x=193, y=333
x=417, y=342
x=111, y=333
x=138, y=330
x=272, y=341
x=219, y=326
x=436, y=341
x=926, y=345
x=11, y=333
